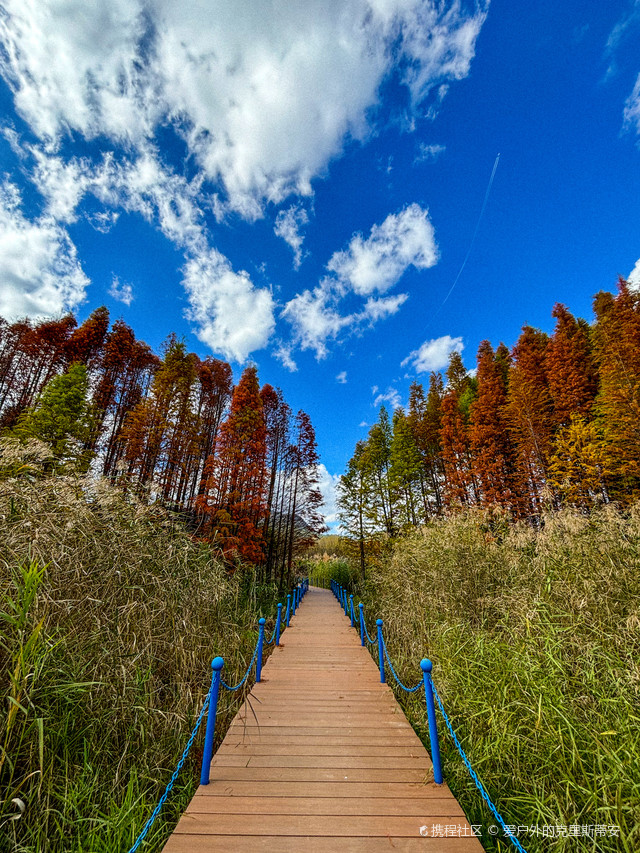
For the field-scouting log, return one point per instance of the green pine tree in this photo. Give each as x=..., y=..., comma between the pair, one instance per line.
x=62, y=418
x=405, y=470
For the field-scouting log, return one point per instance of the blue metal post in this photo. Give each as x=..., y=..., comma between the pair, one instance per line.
x=351, y=608
x=278, y=623
x=288, y=609
x=346, y=603
x=380, y=650
x=294, y=601
x=216, y=666
x=260, y=644
x=425, y=666
x=361, y=606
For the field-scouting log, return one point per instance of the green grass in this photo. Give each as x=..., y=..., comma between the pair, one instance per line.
x=110, y=615
x=535, y=643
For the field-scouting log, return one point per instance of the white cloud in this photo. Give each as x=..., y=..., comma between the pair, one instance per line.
x=634, y=276
x=391, y=396
x=621, y=32
x=288, y=225
x=13, y=138
x=232, y=316
x=625, y=30
x=368, y=266
x=264, y=96
x=315, y=319
x=40, y=274
x=104, y=220
x=374, y=265
x=433, y=354
x=632, y=108
x=342, y=377
x=145, y=186
x=283, y=352
x=327, y=485
x=62, y=184
x=74, y=66
x=428, y=152
x=121, y=291
x=380, y=309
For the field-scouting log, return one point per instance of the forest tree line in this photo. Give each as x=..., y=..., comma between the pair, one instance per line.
x=233, y=460
x=553, y=421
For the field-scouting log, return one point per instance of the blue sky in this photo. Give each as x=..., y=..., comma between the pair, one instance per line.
x=298, y=184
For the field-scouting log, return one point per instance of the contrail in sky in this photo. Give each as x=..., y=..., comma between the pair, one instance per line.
x=473, y=239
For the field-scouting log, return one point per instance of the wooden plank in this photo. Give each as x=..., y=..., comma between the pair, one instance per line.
x=315, y=774
x=309, y=844
x=272, y=737
x=334, y=762
x=318, y=749
x=407, y=806
x=345, y=826
x=240, y=788
x=379, y=730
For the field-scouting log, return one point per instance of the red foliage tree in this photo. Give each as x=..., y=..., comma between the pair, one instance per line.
x=494, y=457
x=124, y=375
x=459, y=486
x=617, y=350
x=571, y=372
x=530, y=413
x=85, y=344
x=233, y=499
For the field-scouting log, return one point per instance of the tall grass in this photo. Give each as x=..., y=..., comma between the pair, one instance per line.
x=535, y=640
x=110, y=615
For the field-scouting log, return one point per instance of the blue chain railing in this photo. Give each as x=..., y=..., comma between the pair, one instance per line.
x=211, y=704
x=472, y=773
x=174, y=776
x=395, y=674
x=246, y=675
x=429, y=692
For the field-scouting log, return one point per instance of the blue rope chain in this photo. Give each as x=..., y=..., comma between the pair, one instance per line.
x=273, y=636
x=395, y=675
x=246, y=675
x=366, y=633
x=473, y=775
x=167, y=790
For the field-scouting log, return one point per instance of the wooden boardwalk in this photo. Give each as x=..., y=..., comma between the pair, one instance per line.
x=321, y=758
